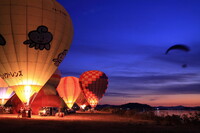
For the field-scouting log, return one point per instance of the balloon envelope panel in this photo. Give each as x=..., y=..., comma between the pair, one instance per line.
x=81, y=100
x=46, y=100
x=3, y=83
x=5, y=92
x=15, y=102
x=55, y=78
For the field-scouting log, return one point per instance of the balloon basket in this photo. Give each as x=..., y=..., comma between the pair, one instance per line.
x=26, y=112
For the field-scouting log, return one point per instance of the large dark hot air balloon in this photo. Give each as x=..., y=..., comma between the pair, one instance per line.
x=93, y=84
x=35, y=36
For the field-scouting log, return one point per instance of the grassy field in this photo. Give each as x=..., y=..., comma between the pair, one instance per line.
x=87, y=123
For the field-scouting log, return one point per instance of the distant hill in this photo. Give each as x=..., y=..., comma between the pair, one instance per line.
x=136, y=106
x=141, y=107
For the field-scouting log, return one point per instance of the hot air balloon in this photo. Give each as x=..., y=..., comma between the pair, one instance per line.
x=55, y=79
x=93, y=84
x=46, y=97
x=50, y=87
x=81, y=101
x=69, y=90
x=35, y=36
x=180, y=47
x=5, y=92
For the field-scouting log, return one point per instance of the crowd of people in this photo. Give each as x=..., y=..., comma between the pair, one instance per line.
x=24, y=112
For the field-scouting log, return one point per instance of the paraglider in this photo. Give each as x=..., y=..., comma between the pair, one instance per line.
x=93, y=84
x=34, y=39
x=179, y=47
x=69, y=90
x=184, y=65
x=5, y=92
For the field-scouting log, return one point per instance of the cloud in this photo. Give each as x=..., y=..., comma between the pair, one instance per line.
x=187, y=83
x=70, y=73
x=179, y=89
x=120, y=94
x=154, y=79
x=153, y=99
x=138, y=91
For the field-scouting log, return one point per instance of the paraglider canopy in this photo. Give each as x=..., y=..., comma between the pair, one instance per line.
x=178, y=47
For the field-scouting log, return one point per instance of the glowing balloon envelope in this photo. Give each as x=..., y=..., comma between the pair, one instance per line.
x=93, y=84
x=55, y=78
x=35, y=36
x=81, y=101
x=69, y=89
x=49, y=89
x=46, y=97
x=5, y=92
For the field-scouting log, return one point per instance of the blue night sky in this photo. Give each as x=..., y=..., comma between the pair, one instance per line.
x=127, y=40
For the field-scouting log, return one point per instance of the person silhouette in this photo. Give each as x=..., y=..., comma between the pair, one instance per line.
x=20, y=112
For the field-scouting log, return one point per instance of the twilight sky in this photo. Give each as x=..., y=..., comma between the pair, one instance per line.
x=127, y=40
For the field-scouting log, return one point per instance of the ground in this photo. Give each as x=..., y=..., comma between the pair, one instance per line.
x=86, y=123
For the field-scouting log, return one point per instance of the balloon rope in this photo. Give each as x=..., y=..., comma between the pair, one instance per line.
x=33, y=99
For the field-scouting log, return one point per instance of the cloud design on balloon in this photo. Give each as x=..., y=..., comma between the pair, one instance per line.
x=40, y=38
x=2, y=40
